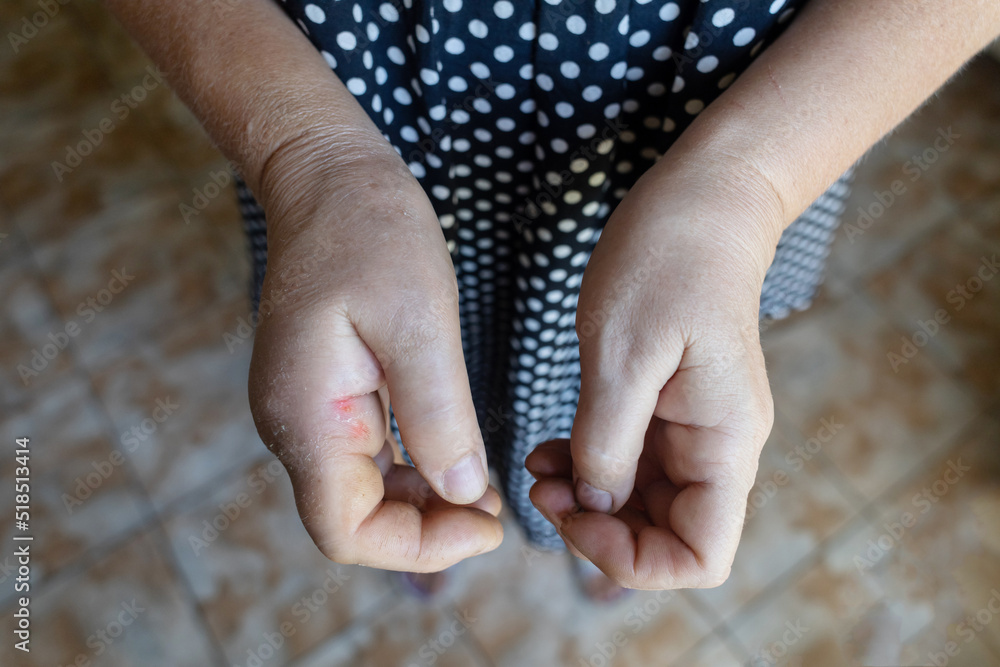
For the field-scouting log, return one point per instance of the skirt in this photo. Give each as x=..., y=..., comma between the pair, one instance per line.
x=526, y=123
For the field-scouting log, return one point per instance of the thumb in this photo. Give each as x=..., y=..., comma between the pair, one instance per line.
x=420, y=352
x=609, y=429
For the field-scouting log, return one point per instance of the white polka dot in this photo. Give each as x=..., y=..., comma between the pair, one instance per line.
x=440, y=191
x=725, y=81
x=656, y=89
x=545, y=82
x=618, y=70
x=388, y=116
x=388, y=11
x=639, y=38
x=460, y=116
x=564, y=109
x=744, y=36
x=479, y=70
x=315, y=14
x=396, y=55
x=503, y=9
x=527, y=71
x=409, y=134
x=356, y=86
x=422, y=35
x=548, y=41
x=356, y=12
x=527, y=31
x=458, y=84
x=669, y=11
x=454, y=46
x=592, y=93
x=776, y=6
x=417, y=169
x=707, y=64
x=691, y=41
x=503, y=53
x=694, y=106
x=576, y=25
x=723, y=17
x=478, y=28
x=381, y=76
x=505, y=91
x=346, y=40
x=453, y=5
x=598, y=51
x=437, y=112
x=605, y=6
x=328, y=57
x=402, y=95
x=429, y=76
x=634, y=73
x=505, y=125
x=570, y=69
x=662, y=53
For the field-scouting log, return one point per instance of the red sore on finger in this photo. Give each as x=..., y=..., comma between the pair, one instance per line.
x=344, y=405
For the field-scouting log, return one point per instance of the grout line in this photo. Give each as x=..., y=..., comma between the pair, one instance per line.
x=386, y=604
x=866, y=516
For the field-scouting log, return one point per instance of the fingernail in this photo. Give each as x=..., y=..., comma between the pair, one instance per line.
x=465, y=481
x=593, y=499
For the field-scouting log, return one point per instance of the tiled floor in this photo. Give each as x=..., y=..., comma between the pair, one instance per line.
x=879, y=492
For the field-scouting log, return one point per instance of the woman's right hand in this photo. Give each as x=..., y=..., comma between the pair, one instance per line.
x=359, y=308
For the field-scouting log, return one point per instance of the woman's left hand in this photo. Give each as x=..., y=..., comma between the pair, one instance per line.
x=674, y=404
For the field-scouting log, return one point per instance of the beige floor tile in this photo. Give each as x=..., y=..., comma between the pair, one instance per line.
x=30, y=360
x=945, y=298
x=184, y=398
x=932, y=185
x=82, y=490
x=127, y=609
x=257, y=575
x=928, y=570
x=531, y=611
x=833, y=364
x=793, y=507
x=410, y=634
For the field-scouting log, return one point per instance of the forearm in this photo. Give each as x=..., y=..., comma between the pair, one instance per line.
x=841, y=76
x=258, y=86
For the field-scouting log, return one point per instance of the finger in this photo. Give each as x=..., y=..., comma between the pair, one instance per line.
x=420, y=352
x=612, y=416
x=404, y=483
x=340, y=494
x=550, y=459
x=696, y=520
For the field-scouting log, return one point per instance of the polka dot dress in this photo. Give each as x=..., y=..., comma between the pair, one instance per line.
x=526, y=123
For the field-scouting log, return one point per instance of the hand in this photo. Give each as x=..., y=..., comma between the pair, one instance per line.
x=360, y=308
x=674, y=404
